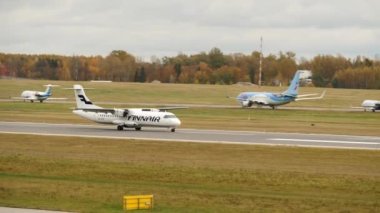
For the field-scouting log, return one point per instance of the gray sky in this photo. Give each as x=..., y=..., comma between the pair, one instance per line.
x=168, y=27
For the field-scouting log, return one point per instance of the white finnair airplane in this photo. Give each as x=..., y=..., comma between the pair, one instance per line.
x=247, y=99
x=32, y=96
x=128, y=118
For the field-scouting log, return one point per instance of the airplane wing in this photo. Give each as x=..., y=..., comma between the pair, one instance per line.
x=306, y=95
x=56, y=98
x=113, y=110
x=21, y=98
x=311, y=98
x=357, y=107
x=97, y=110
x=163, y=109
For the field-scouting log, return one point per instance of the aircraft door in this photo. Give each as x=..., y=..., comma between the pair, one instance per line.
x=125, y=113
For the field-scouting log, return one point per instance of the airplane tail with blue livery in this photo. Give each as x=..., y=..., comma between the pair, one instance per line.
x=292, y=91
x=48, y=91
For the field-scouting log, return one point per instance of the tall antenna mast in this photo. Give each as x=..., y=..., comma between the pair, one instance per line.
x=261, y=58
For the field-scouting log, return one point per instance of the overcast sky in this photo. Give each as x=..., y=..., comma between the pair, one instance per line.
x=168, y=27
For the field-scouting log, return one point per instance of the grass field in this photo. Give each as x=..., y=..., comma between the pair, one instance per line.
x=183, y=93
x=92, y=175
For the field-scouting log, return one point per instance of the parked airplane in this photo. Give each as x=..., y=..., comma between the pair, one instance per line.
x=247, y=99
x=32, y=96
x=128, y=118
x=372, y=105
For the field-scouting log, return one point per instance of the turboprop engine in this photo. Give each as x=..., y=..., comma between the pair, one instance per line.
x=121, y=112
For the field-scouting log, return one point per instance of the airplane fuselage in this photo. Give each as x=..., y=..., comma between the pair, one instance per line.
x=247, y=99
x=34, y=95
x=134, y=118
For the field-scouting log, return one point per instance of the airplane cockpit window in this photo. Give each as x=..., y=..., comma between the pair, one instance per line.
x=243, y=96
x=169, y=116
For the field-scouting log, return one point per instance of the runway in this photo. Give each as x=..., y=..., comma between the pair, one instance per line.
x=194, y=135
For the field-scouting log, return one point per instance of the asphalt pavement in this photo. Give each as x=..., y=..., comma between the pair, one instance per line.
x=194, y=135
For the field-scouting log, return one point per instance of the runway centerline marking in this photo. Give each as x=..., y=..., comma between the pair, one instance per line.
x=323, y=141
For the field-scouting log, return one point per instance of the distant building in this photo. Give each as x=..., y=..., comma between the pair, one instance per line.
x=306, y=77
x=305, y=74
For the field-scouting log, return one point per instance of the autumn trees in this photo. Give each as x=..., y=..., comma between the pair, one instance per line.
x=361, y=78
x=340, y=72
x=117, y=66
x=213, y=67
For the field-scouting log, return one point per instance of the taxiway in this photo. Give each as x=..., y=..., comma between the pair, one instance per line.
x=212, y=106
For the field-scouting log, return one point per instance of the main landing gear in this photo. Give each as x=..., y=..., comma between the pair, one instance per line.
x=273, y=107
x=120, y=127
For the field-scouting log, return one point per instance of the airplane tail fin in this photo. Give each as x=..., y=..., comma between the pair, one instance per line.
x=48, y=90
x=294, y=85
x=83, y=102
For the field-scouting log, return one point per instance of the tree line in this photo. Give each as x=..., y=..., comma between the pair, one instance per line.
x=213, y=67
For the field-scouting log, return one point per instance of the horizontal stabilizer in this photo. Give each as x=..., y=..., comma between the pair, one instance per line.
x=57, y=99
x=51, y=85
x=312, y=98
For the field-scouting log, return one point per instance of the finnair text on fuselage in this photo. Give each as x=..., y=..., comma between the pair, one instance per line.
x=143, y=118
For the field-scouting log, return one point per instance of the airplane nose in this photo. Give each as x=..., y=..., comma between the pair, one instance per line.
x=244, y=103
x=176, y=122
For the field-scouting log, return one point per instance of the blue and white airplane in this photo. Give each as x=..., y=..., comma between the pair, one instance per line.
x=247, y=99
x=28, y=95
